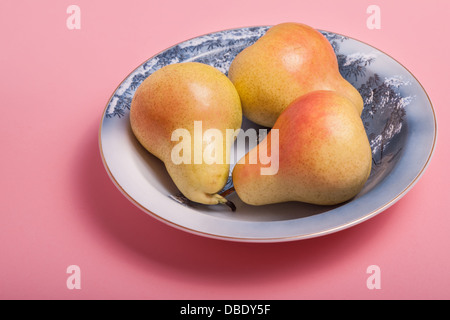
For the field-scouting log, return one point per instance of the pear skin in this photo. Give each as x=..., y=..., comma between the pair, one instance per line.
x=323, y=151
x=175, y=98
x=289, y=60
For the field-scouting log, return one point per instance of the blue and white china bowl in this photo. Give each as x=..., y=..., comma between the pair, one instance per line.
x=398, y=116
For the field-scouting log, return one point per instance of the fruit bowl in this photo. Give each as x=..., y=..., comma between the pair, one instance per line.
x=398, y=118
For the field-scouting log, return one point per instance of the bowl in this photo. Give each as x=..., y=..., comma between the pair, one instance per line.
x=398, y=117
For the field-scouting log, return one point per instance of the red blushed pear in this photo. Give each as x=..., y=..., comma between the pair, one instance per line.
x=290, y=60
x=323, y=151
x=169, y=113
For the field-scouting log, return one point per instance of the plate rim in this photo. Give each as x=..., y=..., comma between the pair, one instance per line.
x=281, y=238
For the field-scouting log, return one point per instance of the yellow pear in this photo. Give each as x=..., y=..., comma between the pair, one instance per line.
x=289, y=60
x=171, y=114
x=322, y=151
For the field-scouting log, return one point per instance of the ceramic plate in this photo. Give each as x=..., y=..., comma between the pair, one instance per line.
x=398, y=117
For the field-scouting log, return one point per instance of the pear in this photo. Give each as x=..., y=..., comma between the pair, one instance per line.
x=289, y=60
x=170, y=114
x=324, y=156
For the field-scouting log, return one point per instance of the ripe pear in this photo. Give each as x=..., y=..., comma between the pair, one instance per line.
x=289, y=60
x=323, y=152
x=172, y=108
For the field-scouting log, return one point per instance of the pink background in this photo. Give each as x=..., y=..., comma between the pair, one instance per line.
x=58, y=206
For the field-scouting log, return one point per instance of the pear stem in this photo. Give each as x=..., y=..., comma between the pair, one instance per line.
x=228, y=192
x=231, y=205
x=226, y=201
